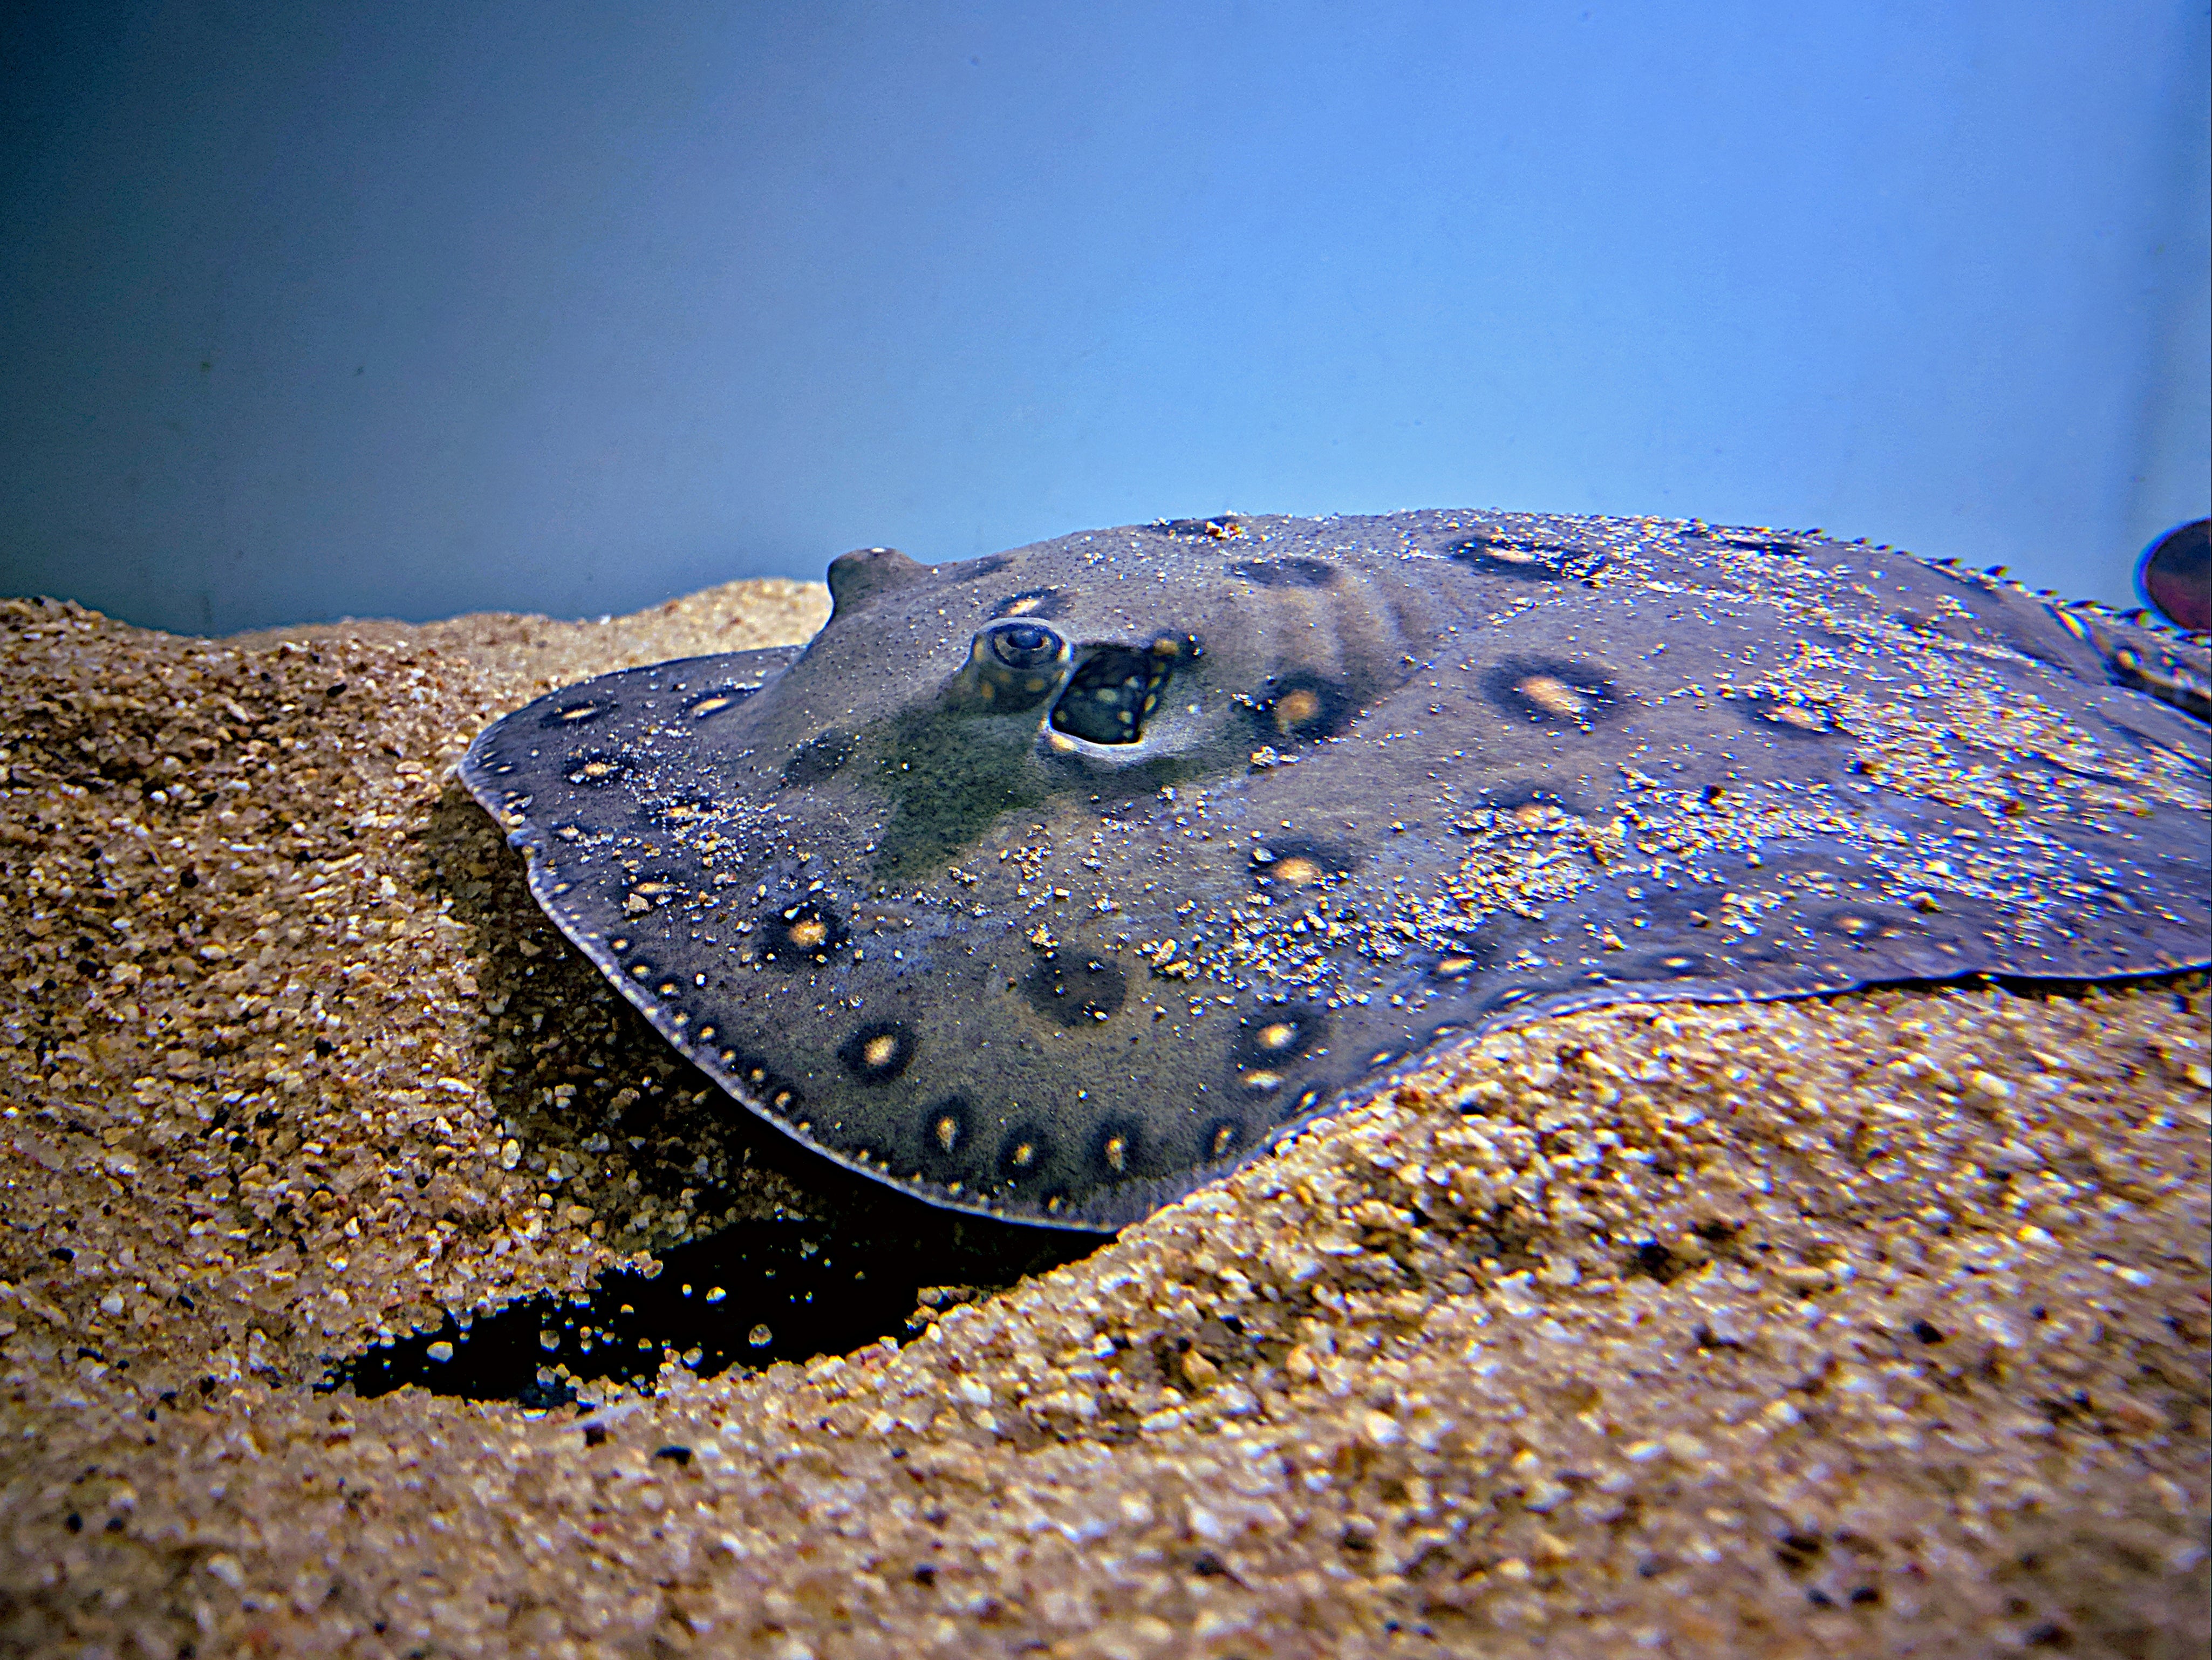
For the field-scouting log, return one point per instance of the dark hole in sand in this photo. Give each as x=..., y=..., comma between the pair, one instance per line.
x=817, y=1289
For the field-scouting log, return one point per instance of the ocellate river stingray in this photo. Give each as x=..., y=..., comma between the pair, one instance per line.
x=1054, y=884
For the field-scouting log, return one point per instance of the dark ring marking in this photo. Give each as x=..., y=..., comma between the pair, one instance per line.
x=1864, y=925
x=1221, y=1138
x=712, y=702
x=1286, y=573
x=596, y=768
x=1025, y=1155
x=878, y=1051
x=1117, y=1149
x=678, y=813
x=1506, y=997
x=1041, y=603
x=1223, y=527
x=1476, y=955
x=947, y=1130
x=801, y=935
x=1074, y=989
x=579, y=714
x=819, y=756
x=1514, y=798
x=1527, y=559
x=1302, y=706
x=1786, y=719
x=1271, y=1038
x=1297, y=863
x=1552, y=691
x=1745, y=541
x=755, y=1082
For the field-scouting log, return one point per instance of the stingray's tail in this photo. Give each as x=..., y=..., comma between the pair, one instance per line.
x=2142, y=651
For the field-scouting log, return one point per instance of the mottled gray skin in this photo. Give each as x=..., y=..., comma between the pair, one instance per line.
x=1054, y=884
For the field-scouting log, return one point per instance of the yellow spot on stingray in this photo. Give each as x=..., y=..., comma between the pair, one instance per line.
x=1117, y=1152
x=1223, y=1139
x=1298, y=871
x=1263, y=1083
x=1554, y=695
x=1025, y=1156
x=1277, y=1034
x=809, y=932
x=948, y=1131
x=879, y=1051
x=710, y=705
x=1296, y=708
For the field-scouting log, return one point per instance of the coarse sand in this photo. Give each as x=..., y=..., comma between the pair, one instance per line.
x=1866, y=1325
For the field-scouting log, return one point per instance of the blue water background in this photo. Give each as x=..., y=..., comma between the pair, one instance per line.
x=411, y=309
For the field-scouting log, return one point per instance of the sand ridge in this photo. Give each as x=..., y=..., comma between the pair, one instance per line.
x=1875, y=1325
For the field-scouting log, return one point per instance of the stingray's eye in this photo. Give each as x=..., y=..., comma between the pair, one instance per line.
x=1014, y=663
x=1025, y=646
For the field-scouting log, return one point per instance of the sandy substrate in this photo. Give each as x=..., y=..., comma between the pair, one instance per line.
x=1871, y=1325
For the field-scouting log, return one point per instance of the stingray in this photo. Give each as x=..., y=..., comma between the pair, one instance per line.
x=1052, y=885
